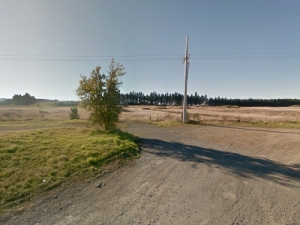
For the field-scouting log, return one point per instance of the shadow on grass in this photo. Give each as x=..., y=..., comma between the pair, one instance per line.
x=240, y=165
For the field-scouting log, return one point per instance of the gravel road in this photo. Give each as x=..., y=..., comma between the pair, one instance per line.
x=187, y=175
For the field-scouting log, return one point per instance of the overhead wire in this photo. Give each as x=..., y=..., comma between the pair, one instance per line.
x=87, y=58
x=153, y=57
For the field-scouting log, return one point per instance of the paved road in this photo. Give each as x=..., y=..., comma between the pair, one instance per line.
x=186, y=175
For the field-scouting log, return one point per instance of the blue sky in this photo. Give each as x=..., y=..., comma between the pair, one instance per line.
x=239, y=49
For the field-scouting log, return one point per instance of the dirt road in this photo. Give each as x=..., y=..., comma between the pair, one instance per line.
x=188, y=175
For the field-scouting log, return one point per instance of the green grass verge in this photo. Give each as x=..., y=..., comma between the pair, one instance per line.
x=38, y=160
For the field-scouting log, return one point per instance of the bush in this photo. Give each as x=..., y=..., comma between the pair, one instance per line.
x=100, y=95
x=73, y=114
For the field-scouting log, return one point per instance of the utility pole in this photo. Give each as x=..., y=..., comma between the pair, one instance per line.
x=187, y=64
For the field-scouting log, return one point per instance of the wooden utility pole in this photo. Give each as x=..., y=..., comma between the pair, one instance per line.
x=187, y=64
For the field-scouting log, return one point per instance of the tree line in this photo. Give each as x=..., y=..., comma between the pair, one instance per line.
x=25, y=99
x=28, y=99
x=154, y=98
x=6, y=102
x=218, y=101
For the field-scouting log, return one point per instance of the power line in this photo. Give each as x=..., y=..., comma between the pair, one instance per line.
x=89, y=58
x=153, y=57
x=286, y=55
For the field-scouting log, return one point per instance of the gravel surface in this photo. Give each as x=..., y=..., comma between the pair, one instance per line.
x=186, y=175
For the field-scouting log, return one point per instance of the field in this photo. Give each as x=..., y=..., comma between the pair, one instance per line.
x=259, y=116
x=266, y=115
x=237, y=165
x=40, y=148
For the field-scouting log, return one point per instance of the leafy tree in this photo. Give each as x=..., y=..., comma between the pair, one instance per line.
x=100, y=95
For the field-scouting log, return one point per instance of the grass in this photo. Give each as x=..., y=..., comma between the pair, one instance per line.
x=34, y=161
x=288, y=125
x=39, y=123
x=169, y=123
x=292, y=125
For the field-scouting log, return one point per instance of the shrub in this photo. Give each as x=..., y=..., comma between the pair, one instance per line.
x=73, y=114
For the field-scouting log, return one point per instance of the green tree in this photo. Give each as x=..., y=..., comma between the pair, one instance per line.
x=73, y=114
x=100, y=95
x=26, y=99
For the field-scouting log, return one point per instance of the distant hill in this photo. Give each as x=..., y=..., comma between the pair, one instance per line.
x=5, y=101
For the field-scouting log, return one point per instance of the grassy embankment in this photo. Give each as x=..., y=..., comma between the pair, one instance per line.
x=36, y=160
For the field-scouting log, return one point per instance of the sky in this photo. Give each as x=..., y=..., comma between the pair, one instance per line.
x=238, y=48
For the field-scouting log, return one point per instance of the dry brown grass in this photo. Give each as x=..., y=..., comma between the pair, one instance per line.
x=36, y=112
x=205, y=114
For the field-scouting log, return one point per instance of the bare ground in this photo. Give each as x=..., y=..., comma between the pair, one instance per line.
x=187, y=175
